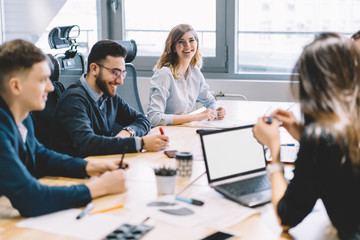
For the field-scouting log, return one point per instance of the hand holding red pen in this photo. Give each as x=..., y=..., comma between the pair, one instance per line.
x=161, y=131
x=156, y=142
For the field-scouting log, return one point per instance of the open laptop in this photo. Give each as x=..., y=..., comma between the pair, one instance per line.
x=236, y=166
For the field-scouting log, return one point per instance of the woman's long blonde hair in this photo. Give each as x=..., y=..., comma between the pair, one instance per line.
x=328, y=72
x=169, y=57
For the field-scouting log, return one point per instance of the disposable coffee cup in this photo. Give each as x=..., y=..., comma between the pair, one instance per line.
x=184, y=162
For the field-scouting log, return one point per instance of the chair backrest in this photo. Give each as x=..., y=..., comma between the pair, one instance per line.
x=129, y=90
x=43, y=120
x=131, y=49
x=71, y=68
x=72, y=63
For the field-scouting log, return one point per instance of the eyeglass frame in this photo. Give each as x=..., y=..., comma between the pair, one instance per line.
x=116, y=71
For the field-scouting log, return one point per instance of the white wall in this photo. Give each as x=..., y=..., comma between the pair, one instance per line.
x=254, y=90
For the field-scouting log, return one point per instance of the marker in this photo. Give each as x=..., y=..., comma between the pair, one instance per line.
x=190, y=200
x=288, y=144
x=270, y=119
x=86, y=210
x=217, y=112
x=161, y=130
x=108, y=209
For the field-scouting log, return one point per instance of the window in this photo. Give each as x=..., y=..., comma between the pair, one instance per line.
x=150, y=24
x=32, y=20
x=151, y=29
x=1, y=22
x=239, y=39
x=259, y=39
x=272, y=34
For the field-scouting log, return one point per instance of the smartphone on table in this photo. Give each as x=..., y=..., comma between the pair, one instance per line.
x=219, y=236
x=170, y=153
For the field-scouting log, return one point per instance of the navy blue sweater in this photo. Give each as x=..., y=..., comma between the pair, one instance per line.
x=83, y=129
x=20, y=185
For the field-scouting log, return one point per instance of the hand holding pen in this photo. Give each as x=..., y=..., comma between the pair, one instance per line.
x=270, y=119
x=121, y=165
x=267, y=134
x=155, y=142
x=221, y=112
x=208, y=114
x=289, y=122
x=97, y=168
x=161, y=131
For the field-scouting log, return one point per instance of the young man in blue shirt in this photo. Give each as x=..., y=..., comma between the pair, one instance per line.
x=91, y=119
x=24, y=85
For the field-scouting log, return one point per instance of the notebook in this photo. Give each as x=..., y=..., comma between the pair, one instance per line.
x=288, y=153
x=236, y=166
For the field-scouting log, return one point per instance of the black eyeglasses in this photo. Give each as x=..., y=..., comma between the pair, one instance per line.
x=116, y=72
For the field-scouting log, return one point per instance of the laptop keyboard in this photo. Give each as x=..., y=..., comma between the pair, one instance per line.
x=247, y=186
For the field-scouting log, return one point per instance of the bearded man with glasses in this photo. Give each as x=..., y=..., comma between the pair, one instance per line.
x=91, y=119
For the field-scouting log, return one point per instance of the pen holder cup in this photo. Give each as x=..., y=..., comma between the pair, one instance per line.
x=165, y=184
x=184, y=162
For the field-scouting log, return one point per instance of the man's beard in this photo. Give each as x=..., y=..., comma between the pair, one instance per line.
x=103, y=86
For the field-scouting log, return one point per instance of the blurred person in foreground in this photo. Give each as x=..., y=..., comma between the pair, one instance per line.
x=328, y=161
x=24, y=85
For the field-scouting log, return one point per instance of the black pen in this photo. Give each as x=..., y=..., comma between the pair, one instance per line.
x=86, y=210
x=190, y=200
x=121, y=162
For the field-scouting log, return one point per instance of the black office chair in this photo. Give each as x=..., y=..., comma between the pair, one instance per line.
x=72, y=63
x=129, y=90
x=43, y=120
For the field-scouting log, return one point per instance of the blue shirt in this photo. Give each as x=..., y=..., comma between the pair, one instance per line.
x=86, y=123
x=170, y=96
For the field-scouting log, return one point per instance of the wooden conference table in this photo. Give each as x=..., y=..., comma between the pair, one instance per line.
x=142, y=185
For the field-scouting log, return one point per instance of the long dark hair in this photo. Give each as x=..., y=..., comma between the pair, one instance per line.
x=328, y=72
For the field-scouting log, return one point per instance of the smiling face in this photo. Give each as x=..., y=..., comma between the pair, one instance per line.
x=186, y=46
x=106, y=80
x=35, y=86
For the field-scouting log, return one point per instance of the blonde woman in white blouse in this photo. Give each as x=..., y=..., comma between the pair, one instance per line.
x=178, y=82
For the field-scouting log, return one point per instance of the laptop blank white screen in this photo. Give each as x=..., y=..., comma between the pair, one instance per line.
x=232, y=152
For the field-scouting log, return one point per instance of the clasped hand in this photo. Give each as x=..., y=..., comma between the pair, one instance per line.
x=98, y=167
x=211, y=114
x=268, y=134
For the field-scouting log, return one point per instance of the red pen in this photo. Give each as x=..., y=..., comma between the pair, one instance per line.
x=161, y=130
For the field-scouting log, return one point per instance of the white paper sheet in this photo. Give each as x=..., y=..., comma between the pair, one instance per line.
x=241, y=113
x=217, y=211
x=95, y=226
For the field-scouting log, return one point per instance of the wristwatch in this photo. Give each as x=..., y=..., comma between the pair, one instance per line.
x=274, y=167
x=130, y=130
